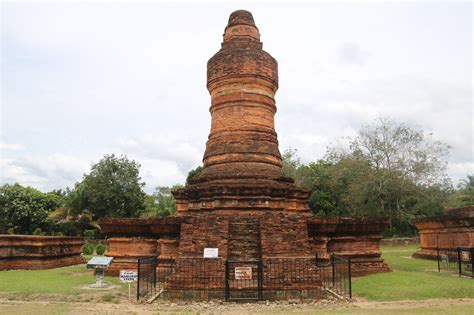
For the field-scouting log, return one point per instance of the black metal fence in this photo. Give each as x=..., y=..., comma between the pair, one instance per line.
x=459, y=260
x=243, y=280
x=146, y=283
x=239, y=280
x=336, y=276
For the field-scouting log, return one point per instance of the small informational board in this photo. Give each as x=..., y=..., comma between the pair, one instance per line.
x=99, y=262
x=211, y=252
x=243, y=273
x=128, y=276
x=444, y=258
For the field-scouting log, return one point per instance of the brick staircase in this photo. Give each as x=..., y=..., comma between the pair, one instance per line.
x=244, y=238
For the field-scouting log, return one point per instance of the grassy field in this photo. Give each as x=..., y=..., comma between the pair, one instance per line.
x=414, y=287
x=412, y=279
x=67, y=283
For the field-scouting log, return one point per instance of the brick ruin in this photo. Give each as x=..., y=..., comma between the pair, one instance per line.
x=241, y=203
x=454, y=228
x=39, y=252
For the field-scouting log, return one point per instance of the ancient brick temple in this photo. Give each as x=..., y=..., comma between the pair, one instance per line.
x=454, y=228
x=241, y=203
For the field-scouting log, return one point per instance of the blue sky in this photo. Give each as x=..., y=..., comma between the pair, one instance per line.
x=82, y=79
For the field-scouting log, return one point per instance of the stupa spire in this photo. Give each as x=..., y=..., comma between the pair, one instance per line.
x=242, y=80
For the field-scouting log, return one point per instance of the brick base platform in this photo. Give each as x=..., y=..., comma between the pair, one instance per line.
x=39, y=252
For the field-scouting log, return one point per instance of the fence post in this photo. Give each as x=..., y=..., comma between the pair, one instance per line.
x=155, y=263
x=350, y=278
x=227, y=273
x=138, y=280
x=260, y=279
x=437, y=256
x=333, y=263
x=472, y=261
x=459, y=261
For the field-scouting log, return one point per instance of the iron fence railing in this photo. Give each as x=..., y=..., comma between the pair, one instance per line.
x=146, y=282
x=336, y=276
x=459, y=260
x=244, y=279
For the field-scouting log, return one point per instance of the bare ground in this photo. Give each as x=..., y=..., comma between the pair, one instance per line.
x=357, y=306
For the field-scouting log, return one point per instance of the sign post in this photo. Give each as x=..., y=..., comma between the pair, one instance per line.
x=100, y=264
x=128, y=276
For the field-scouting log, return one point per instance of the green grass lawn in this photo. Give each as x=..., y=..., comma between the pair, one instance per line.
x=67, y=284
x=66, y=280
x=411, y=279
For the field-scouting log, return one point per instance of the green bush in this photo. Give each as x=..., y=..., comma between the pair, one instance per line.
x=88, y=249
x=37, y=231
x=89, y=234
x=100, y=249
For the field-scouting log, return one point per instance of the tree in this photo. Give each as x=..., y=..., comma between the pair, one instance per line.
x=161, y=203
x=113, y=188
x=395, y=146
x=409, y=168
x=26, y=209
x=194, y=173
x=388, y=170
x=464, y=195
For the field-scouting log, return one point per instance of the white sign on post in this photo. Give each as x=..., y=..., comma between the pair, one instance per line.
x=211, y=252
x=128, y=276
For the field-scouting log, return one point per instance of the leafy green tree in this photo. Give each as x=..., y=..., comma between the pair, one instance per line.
x=161, y=203
x=113, y=188
x=26, y=209
x=464, y=195
x=194, y=173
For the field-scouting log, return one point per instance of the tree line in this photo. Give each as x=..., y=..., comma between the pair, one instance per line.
x=388, y=170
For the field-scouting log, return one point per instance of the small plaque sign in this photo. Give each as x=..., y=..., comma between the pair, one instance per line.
x=243, y=273
x=128, y=276
x=465, y=256
x=444, y=258
x=211, y=252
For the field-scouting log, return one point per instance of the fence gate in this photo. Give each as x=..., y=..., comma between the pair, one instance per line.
x=146, y=284
x=243, y=279
x=336, y=276
x=459, y=260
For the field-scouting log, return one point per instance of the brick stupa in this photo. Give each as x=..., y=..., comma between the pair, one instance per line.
x=241, y=203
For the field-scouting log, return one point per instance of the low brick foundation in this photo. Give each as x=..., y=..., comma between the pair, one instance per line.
x=39, y=252
x=453, y=229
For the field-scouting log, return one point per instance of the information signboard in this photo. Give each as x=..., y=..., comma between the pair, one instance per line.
x=128, y=276
x=243, y=273
x=211, y=252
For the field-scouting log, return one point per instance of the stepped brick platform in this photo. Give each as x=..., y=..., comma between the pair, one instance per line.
x=241, y=203
x=455, y=228
x=39, y=252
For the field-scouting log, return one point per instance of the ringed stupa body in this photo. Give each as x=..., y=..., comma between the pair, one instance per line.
x=241, y=206
x=242, y=168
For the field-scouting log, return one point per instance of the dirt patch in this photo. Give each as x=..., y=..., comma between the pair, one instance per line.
x=410, y=303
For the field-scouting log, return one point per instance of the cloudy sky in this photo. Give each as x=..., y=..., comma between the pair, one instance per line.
x=82, y=79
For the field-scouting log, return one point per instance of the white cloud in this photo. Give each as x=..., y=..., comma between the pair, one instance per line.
x=83, y=79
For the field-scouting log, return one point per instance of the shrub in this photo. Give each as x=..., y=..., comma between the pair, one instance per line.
x=89, y=234
x=37, y=231
x=88, y=249
x=100, y=249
